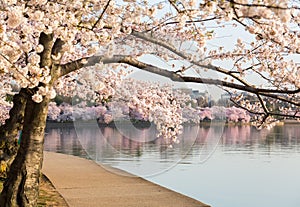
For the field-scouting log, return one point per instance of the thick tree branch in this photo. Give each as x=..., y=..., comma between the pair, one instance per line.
x=57, y=46
x=87, y=62
x=9, y=131
x=149, y=38
x=259, y=5
x=47, y=41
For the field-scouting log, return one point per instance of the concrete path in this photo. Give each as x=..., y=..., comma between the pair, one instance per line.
x=83, y=183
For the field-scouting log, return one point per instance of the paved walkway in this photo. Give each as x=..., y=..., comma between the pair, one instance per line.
x=84, y=183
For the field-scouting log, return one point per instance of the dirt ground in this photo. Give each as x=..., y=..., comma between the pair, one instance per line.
x=48, y=197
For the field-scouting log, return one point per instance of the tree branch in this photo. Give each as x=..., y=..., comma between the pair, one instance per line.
x=47, y=41
x=87, y=62
x=258, y=5
x=171, y=48
x=101, y=15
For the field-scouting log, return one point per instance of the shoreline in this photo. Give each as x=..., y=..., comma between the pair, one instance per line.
x=145, y=125
x=83, y=182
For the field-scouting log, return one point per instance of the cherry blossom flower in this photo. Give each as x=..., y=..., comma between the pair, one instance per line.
x=38, y=98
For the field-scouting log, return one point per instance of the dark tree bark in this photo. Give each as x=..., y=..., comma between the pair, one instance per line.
x=21, y=187
x=10, y=130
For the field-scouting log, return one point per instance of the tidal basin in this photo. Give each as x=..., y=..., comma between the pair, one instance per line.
x=219, y=165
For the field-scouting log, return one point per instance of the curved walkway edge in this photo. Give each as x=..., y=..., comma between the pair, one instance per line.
x=84, y=183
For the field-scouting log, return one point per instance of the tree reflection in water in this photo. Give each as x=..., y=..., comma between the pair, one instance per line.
x=110, y=145
x=65, y=139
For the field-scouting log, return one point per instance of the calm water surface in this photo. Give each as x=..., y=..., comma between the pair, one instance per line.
x=233, y=166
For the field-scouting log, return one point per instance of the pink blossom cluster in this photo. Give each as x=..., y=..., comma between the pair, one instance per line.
x=94, y=84
x=66, y=112
x=5, y=106
x=190, y=115
x=74, y=22
x=53, y=111
x=231, y=114
x=205, y=114
x=136, y=28
x=115, y=111
x=259, y=119
x=154, y=102
x=77, y=24
x=235, y=114
x=4, y=113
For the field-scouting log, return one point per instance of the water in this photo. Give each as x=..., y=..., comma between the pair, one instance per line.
x=234, y=166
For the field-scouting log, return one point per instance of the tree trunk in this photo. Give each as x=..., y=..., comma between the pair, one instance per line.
x=9, y=132
x=22, y=184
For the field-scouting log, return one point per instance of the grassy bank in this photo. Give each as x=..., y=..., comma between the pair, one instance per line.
x=48, y=194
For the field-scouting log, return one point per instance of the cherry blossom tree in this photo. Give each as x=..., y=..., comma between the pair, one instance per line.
x=46, y=45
